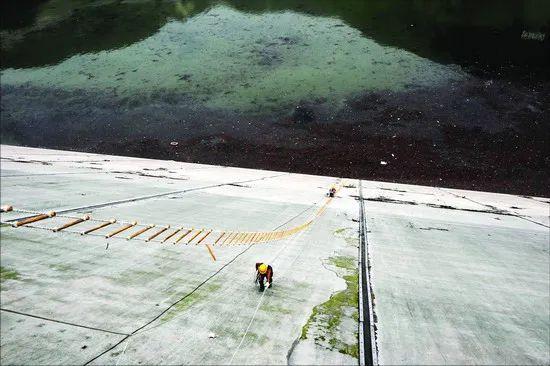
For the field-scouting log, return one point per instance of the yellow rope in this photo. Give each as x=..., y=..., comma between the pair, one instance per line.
x=228, y=237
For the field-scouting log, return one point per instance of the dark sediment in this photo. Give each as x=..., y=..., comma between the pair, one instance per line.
x=478, y=134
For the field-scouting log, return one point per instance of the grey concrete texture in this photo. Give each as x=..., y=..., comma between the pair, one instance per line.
x=459, y=277
x=460, y=287
x=75, y=279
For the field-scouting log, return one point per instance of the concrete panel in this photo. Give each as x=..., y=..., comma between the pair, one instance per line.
x=455, y=292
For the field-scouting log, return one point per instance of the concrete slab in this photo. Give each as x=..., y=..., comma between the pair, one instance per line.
x=455, y=289
x=455, y=281
x=58, y=343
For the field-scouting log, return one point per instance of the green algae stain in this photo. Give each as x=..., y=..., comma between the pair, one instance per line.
x=61, y=267
x=328, y=316
x=133, y=277
x=276, y=309
x=182, y=306
x=348, y=263
x=257, y=339
x=189, y=301
x=8, y=274
x=351, y=240
x=350, y=349
x=242, y=61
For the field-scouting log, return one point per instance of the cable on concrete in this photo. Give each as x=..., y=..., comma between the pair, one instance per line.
x=135, y=332
x=141, y=198
x=61, y=322
x=294, y=239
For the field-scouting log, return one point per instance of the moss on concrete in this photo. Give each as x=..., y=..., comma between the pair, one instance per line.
x=350, y=349
x=61, y=267
x=8, y=274
x=348, y=263
x=189, y=301
x=327, y=317
x=277, y=309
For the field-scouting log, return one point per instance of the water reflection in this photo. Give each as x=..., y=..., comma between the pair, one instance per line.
x=447, y=92
x=224, y=58
x=483, y=34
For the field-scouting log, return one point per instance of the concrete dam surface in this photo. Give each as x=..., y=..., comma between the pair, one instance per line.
x=456, y=276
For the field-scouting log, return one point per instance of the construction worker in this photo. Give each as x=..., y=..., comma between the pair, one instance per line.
x=264, y=272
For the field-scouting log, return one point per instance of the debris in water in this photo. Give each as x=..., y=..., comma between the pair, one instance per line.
x=303, y=114
x=174, y=143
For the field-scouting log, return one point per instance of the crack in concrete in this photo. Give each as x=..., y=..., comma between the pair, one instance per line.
x=137, y=331
x=141, y=198
x=61, y=322
x=367, y=315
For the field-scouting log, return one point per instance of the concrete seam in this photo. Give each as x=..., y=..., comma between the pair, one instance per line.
x=369, y=333
x=61, y=321
x=504, y=212
x=135, y=332
x=141, y=198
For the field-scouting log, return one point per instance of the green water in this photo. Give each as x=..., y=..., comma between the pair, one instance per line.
x=453, y=86
x=224, y=58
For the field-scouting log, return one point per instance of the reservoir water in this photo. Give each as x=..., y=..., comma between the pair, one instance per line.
x=451, y=93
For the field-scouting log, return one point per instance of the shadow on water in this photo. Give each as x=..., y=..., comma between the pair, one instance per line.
x=484, y=35
x=60, y=29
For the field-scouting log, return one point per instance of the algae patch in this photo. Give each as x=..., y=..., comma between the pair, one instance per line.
x=189, y=301
x=327, y=323
x=8, y=274
x=349, y=235
x=277, y=309
x=61, y=267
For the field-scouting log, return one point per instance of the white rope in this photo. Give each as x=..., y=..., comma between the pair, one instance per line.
x=124, y=350
x=248, y=327
x=295, y=238
x=183, y=313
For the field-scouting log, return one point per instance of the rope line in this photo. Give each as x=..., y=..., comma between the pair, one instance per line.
x=142, y=330
x=61, y=321
x=191, y=234
x=305, y=225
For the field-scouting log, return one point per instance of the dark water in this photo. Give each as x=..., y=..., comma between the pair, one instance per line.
x=451, y=93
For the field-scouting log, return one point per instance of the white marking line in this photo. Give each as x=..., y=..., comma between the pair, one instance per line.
x=124, y=350
x=294, y=239
x=313, y=215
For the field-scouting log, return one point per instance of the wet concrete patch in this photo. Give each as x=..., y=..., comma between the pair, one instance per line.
x=328, y=327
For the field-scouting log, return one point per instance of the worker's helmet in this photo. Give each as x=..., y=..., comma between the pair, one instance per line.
x=262, y=268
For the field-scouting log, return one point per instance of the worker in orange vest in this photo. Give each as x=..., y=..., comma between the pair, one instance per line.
x=264, y=272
